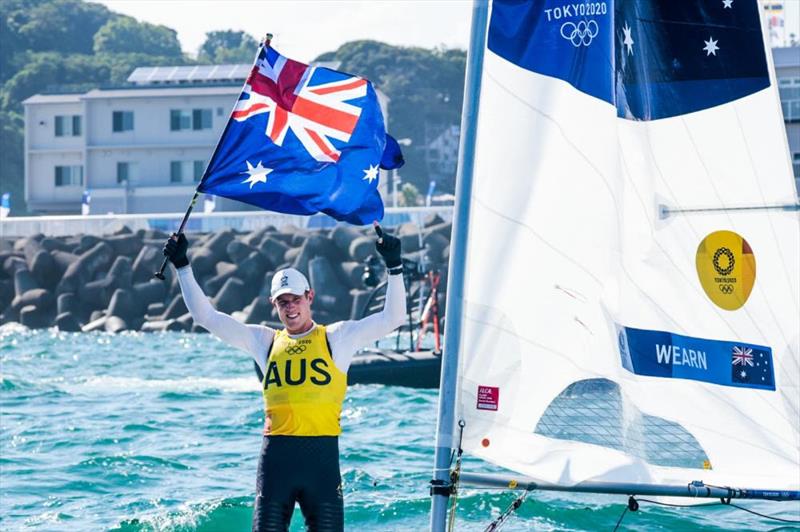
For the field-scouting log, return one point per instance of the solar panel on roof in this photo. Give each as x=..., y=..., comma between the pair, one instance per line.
x=192, y=73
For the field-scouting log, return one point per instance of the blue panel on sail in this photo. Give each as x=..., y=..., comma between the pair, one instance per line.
x=674, y=58
x=569, y=41
x=650, y=58
x=669, y=355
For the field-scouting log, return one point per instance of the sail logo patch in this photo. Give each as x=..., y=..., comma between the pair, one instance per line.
x=674, y=356
x=726, y=268
x=488, y=398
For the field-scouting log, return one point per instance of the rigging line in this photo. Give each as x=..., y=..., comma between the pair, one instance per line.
x=748, y=510
x=454, y=478
x=788, y=207
x=621, y=517
x=497, y=523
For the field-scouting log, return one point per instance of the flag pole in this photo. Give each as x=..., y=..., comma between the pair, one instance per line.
x=160, y=273
x=441, y=482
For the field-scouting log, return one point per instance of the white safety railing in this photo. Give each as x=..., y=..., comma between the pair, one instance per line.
x=104, y=224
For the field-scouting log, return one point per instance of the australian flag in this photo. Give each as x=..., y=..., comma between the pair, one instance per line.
x=669, y=57
x=303, y=139
x=751, y=366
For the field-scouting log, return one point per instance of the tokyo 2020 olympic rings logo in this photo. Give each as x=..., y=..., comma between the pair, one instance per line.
x=726, y=288
x=295, y=349
x=580, y=34
x=728, y=255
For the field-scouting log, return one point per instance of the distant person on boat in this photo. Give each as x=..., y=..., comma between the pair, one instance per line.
x=305, y=377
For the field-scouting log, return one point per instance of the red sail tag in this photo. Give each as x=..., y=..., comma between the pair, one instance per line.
x=488, y=397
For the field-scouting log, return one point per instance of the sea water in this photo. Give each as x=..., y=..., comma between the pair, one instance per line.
x=162, y=432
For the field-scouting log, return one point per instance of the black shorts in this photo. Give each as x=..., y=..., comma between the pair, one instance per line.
x=304, y=469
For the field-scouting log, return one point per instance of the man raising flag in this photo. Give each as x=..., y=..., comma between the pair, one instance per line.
x=300, y=140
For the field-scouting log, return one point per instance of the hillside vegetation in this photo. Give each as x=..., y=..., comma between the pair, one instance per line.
x=70, y=46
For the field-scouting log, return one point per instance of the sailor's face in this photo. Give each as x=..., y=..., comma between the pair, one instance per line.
x=295, y=311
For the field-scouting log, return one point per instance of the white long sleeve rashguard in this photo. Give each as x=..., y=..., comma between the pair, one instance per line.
x=345, y=337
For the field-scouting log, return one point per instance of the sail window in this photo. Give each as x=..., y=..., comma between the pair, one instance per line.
x=593, y=411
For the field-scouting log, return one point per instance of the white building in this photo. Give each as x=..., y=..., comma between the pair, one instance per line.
x=787, y=70
x=140, y=149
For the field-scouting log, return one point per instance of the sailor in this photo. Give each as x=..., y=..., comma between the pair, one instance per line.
x=305, y=377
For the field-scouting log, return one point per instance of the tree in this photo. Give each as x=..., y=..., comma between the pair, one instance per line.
x=126, y=35
x=425, y=88
x=63, y=25
x=228, y=46
x=11, y=157
x=409, y=195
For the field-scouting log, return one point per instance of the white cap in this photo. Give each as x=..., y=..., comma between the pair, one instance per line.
x=288, y=281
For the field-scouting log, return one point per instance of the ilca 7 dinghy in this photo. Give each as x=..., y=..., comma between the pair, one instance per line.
x=624, y=295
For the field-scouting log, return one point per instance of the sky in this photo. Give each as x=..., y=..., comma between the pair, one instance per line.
x=304, y=29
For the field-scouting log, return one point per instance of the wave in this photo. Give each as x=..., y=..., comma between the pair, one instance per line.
x=222, y=514
x=106, y=384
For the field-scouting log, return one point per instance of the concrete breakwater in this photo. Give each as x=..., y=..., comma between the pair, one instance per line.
x=88, y=283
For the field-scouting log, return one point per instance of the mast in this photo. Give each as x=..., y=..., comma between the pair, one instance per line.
x=440, y=485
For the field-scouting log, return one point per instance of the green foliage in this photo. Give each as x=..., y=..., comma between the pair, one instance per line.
x=62, y=45
x=227, y=47
x=425, y=88
x=127, y=35
x=11, y=160
x=409, y=195
x=62, y=25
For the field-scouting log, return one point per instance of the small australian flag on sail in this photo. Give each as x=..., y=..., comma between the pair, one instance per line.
x=303, y=139
x=749, y=365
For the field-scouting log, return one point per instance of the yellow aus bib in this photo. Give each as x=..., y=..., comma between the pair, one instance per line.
x=303, y=388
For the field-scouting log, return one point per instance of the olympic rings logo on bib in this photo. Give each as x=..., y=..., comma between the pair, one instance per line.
x=726, y=268
x=296, y=349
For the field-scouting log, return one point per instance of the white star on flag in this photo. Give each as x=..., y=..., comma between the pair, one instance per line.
x=256, y=174
x=711, y=46
x=727, y=4
x=628, y=40
x=371, y=174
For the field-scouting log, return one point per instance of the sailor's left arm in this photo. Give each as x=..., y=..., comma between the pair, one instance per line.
x=347, y=337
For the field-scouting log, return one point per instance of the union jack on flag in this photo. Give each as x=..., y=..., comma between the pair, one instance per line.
x=315, y=112
x=742, y=356
x=303, y=139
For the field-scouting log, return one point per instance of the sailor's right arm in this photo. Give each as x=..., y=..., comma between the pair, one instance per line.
x=250, y=338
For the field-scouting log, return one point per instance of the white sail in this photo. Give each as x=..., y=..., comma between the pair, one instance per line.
x=628, y=257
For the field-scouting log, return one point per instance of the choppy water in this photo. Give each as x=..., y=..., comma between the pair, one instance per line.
x=162, y=432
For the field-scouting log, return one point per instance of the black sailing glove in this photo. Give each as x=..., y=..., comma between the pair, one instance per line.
x=175, y=250
x=389, y=248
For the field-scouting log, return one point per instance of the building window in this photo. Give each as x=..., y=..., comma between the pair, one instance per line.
x=68, y=126
x=126, y=171
x=67, y=176
x=796, y=165
x=789, y=90
x=199, y=167
x=186, y=171
x=122, y=121
x=180, y=119
x=175, y=171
